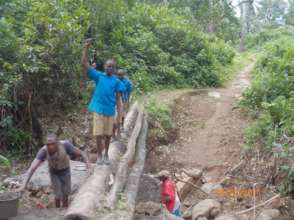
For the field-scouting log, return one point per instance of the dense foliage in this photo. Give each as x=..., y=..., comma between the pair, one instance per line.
x=271, y=100
x=40, y=48
x=268, y=36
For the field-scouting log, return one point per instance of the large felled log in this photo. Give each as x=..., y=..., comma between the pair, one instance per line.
x=134, y=177
x=130, y=119
x=122, y=170
x=91, y=195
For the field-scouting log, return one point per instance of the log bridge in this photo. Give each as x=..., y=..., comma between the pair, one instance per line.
x=96, y=199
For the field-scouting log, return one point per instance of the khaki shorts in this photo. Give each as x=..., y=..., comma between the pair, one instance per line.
x=102, y=125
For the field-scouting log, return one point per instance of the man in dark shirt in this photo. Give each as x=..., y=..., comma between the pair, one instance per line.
x=57, y=154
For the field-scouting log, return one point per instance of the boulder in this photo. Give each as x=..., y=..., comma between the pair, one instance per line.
x=206, y=208
x=187, y=176
x=226, y=217
x=149, y=189
x=269, y=214
x=41, y=179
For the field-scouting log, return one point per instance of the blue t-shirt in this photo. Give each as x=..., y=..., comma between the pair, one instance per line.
x=128, y=89
x=103, y=100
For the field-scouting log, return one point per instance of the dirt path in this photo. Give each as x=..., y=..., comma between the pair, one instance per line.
x=210, y=130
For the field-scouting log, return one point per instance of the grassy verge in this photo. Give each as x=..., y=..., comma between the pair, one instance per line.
x=160, y=108
x=239, y=62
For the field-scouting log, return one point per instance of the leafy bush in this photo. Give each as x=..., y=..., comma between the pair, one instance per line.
x=4, y=162
x=40, y=49
x=273, y=77
x=271, y=100
x=160, y=115
x=259, y=39
x=156, y=42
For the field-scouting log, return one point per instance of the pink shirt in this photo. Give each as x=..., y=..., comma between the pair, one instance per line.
x=168, y=189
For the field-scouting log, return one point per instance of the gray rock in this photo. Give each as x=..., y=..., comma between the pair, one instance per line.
x=149, y=189
x=204, y=208
x=41, y=178
x=269, y=214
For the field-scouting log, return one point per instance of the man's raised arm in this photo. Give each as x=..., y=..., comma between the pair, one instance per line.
x=85, y=61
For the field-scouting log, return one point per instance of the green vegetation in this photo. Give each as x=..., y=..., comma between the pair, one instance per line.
x=270, y=100
x=160, y=45
x=258, y=40
x=160, y=115
x=238, y=63
x=4, y=162
x=160, y=123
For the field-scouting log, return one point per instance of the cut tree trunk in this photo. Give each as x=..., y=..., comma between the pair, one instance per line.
x=123, y=167
x=90, y=198
x=132, y=186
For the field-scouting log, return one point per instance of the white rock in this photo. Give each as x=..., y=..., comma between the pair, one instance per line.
x=203, y=208
x=269, y=214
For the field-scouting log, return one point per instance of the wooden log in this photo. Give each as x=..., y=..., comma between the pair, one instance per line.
x=123, y=166
x=91, y=195
x=129, y=124
x=132, y=186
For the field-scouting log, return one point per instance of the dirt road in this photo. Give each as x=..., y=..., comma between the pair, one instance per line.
x=210, y=130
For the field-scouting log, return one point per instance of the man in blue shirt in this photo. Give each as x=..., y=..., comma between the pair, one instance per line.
x=127, y=93
x=106, y=97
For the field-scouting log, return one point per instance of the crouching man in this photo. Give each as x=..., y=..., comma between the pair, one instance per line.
x=57, y=154
x=169, y=196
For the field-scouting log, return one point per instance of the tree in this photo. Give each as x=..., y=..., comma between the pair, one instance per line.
x=289, y=16
x=247, y=18
x=271, y=12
